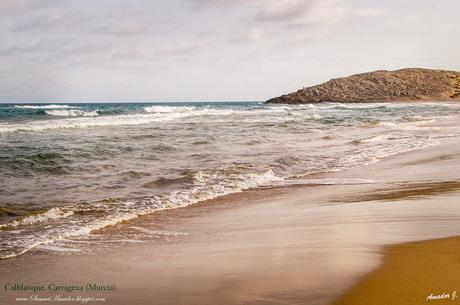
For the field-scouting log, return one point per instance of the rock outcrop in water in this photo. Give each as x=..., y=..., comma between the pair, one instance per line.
x=411, y=84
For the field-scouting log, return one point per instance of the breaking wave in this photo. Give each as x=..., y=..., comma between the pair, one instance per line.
x=83, y=119
x=168, y=109
x=57, y=106
x=71, y=113
x=57, y=224
x=203, y=152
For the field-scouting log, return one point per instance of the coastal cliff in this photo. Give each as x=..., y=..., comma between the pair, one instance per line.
x=411, y=84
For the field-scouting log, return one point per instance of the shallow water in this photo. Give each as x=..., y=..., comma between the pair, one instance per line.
x=66, y=170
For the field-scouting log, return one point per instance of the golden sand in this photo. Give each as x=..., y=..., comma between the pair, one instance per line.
x=425, y=272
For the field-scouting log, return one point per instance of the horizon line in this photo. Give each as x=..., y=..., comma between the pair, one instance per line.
x=131, y=102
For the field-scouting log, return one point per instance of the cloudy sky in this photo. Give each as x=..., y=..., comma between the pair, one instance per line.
x=189, y=50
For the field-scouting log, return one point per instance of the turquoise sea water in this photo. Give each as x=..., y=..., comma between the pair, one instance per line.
x=68, y=169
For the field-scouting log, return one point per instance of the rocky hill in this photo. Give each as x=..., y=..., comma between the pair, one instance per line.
x=412, y=84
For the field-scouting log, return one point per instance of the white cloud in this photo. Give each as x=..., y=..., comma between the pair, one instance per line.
x=21, y=6
x=138, y=52
x=310, y=35
x=232, y=45
x=253, y=34
x=180, y=49
x=51, y=20
x=123, y=26
x=206, y=4
x=287, y=22
x=50, y=50
x=312, y=12
x=283, y=10
x=368, y=12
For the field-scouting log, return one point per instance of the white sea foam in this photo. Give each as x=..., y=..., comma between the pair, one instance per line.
x=77, y=118
x=85, y=122
x=317, y=116
x=129, y=241
x=89, y=119
x=57, y=106
x=56, y=248
x=158, y=232
x=168, y=109
x=71, y=113
x=331, y=181
x=413, y=126
x=208, y=185
x=54, y=213
x=377, y=138
x=279, y=108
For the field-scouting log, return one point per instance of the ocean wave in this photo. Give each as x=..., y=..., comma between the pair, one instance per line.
x=80, y=118
x=36, y=163
x=72, y=113
x=418, y=125
x=80, y=221
x=190, y=110
x=90, y=120
x=51, y=214
x=168, y=109
x=316, y=116
x=180, y=175
x=52, y=106
x=207, y=185
x=85, y=122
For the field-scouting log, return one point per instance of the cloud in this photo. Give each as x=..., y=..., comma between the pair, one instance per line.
x=8, y=7
x=368, y=12
x=180, y=49
x=282, y=11
x=303, y=13
x=288, y=22
x=253, y=34
x=44, y=45
x=134, y=21
x=51, y=20
x=309, y=36
x=53, y=49
x=123, y=27
x=138, y=52
x=205, y=4
x=446, y=28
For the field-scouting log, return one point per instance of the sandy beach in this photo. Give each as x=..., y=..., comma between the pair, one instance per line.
x=432, y=266
x=303, y=244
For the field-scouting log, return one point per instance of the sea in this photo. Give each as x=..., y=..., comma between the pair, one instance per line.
x=67, y=170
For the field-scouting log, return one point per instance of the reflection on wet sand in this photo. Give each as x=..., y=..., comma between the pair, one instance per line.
x=406, y=191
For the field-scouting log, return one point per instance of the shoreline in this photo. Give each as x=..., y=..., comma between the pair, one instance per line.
x=296, y=244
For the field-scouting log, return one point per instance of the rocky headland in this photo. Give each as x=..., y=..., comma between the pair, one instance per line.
x=411, y=84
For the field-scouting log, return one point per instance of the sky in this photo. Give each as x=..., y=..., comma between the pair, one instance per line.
x=212, y=50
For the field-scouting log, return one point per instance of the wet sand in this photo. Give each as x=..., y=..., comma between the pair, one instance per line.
x=305, y=244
